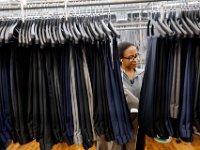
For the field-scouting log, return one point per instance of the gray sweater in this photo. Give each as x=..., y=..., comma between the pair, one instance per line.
x=132, y=88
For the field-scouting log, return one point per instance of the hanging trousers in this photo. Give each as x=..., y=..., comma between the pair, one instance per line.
x=84, y=116
x=146, y=103
x=162, y=124
x=6, y=126
x=196, y=118
x=19, y=82
x=77, y=130
x=175, y=90
x=188, y=93
x=64, y=73
x=46, y=139
x=118, y=80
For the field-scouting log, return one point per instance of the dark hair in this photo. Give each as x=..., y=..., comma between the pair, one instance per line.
x=123, y=46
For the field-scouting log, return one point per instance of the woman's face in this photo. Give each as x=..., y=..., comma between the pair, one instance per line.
x=130, y=58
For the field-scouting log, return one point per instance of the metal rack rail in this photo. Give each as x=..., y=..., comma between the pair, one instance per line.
x=61, y=4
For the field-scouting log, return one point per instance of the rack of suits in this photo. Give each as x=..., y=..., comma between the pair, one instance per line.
x=169, y=104
x=60, y=82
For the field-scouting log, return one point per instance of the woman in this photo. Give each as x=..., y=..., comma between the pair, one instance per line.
x=132, y=82
x=132, y=76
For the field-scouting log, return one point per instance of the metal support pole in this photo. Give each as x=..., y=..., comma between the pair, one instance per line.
x=22, y=10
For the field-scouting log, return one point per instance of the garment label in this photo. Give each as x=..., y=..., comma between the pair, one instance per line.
x=134, y=110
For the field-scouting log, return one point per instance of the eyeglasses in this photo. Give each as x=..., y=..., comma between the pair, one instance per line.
x=131, y=58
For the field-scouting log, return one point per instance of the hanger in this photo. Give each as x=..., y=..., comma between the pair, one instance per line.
x=190, y=23
x=54, y=35
x=92, y=29
x=194, y=18
x=87, y=38
x=2, y=37
x=198, y=14
x=65, y=31
x=37, y=41
x=90, y=35
x=26, y=33
x=47, y=31
x=33, y=30
x=98, y=19
x=150, y=31
x=62, y=39
x=84, y=31
x=40, y=33
x=99, y=31
x=156, y=25
x=50, y=33
x=97, y=25
x=104, y=27
x=148, y=28
x=10, y=31
x=150, y=24
x=176, y=18
x=190, y=32
x=75, y=38
x=110, y=28
x=186, y=27
x=173, y=25
x=57, y=30
x=20, y=34
x=114, y=31
x=37, y=32
x=81, y=29
x=106, y=30
x=23, y=33
x=164, y=26
x=76, y=31
x=197, y=18
x=83, y=22
x=69, y=30
x=2, y=23
x=7, y=31
x=161, y=27
x=43, y=31
x=69, y=27
x=29, y=32
x=15, y=33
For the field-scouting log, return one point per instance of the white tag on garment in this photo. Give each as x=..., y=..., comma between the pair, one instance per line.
x=134, y=110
